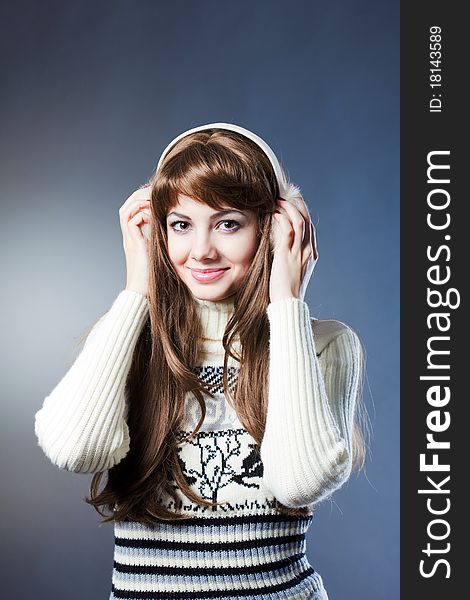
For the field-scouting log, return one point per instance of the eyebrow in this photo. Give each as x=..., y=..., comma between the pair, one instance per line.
x=214, y=216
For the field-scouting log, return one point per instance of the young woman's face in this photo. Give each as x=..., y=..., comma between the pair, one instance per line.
x=210, y=250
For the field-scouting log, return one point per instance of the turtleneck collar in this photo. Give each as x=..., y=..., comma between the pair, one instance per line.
x=214, y=317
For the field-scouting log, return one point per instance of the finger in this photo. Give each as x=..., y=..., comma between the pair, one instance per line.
x=138, y=207
x=299, y=215
x=308, y=225
x=303, y=209
x=298, y=224
x=307, y=258
x=132, y=228
x=128, y=210
x=135, y=224
x=285, y=231
x=300, y=205
x=312, y=255
x=299, y=228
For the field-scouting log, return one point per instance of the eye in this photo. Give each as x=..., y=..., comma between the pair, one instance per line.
x=174, y=223
x=235, y=225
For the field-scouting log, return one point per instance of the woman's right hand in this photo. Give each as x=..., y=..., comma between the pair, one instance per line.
x=135, y=219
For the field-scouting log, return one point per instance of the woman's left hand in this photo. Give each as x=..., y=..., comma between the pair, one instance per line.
x=295, y=250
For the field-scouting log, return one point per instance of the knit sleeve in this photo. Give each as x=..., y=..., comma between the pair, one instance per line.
x=81, y=426
x=307, y=445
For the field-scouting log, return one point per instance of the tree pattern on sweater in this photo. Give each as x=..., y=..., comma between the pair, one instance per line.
x=225, y=458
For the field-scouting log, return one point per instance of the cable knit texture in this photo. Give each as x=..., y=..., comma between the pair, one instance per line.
x=244, y=547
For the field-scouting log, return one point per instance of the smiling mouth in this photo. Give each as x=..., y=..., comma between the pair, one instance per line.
x=208, y=275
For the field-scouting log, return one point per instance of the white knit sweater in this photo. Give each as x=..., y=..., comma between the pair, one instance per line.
x=314, y=379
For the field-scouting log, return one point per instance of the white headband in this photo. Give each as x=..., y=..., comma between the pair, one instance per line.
x=287, y=191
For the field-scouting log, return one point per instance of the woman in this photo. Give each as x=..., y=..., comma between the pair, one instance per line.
x=221, y=412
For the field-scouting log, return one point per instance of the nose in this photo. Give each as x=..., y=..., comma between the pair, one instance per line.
x=203, y=247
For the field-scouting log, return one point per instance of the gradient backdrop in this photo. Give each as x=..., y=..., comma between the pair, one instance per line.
x=92, y=92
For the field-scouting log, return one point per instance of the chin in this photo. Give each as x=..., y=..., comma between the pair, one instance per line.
x=213, y=295
x=210, y=292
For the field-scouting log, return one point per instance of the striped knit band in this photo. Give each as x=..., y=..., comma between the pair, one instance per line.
x=259, y=556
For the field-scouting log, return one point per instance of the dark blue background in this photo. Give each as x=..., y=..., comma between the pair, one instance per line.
x=91, y=94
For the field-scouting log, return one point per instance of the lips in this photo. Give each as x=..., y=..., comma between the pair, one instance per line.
x=203, y=275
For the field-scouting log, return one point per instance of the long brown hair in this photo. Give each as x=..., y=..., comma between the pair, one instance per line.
x=219, y=168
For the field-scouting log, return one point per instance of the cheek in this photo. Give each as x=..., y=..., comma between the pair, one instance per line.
x=176, y=249
x=244, y=251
